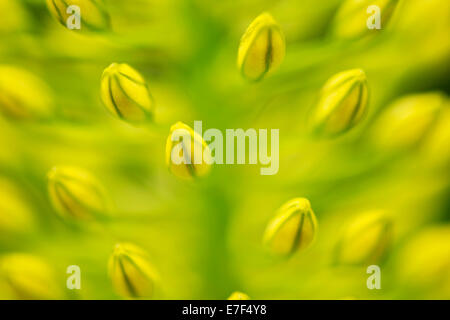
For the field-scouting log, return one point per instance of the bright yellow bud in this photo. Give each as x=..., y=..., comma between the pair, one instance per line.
x=365, y=240
x=262, y=48
x=131, y=273
x=342, y=103
x=187, y=154
x=238, y=296
x=293, y=228
x=424, y=263
x=125, y=94
x=351, y=20
x=29, y=277
x=23, y=95
x=92, y=14
x=407, y=121
x=76, y=194
x=15, y=216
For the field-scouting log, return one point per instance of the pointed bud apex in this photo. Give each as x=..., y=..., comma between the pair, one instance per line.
x=92, y=14
x=29, y=278
x=262, y=48
x=342, y=103
x=365, y=240
x=354, y=17
x=131, y=273
x=187, y=154
x=238, y=296
x=126, y=95
x=407, y=121
x=76, y=194
x=292, y=229
x=23, y=95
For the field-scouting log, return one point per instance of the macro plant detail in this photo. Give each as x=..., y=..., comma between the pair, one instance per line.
x=350, y=20
x=344, y=103
x=408, y=120
x=93, y=15
x=293, y=228
x=131, y=272
x=76, y=194
x=262, y=48
x=125, y=94
x=238, y=296
x=26, y=276
x=365, y=240
x=181, y=147
x=23, y=95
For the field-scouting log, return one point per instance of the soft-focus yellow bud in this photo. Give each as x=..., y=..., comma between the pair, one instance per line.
x=23, y=95
x=407, y=120
x=342, y=103
x=238, y=296
x=262, y=48
x=76, y=194
x=29, y=277
x=13, y=16
x=15, y=216
x=125, y=94
x=131, y=272
x=181, y=156
x=365, y=240
x=436, y=146
x=424, y=263
x=351, y=18
x=93, y=15
x=293, y=228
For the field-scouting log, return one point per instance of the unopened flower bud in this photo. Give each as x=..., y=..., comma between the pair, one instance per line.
x=187, y=154
x=126, y=95
x=365, y=240
x=407, y=121
x=131, y=272
x=15, y=216
x=92, y=14
x=28, y=277
x=238, y=296
x=354, y=17
x=424, y=262
x=76, y=194
x=262, y=48
x=23, y=95
x=292, y=229
x=342, y=103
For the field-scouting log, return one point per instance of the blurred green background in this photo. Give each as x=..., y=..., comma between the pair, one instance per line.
x=204, y=237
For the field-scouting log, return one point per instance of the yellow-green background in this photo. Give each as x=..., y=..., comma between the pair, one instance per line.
x=204, y=237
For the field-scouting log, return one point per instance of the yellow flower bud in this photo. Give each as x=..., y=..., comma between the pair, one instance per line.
x=262, y=48
x=125, y=94
x=131, y=273
x=238, y=296
x=351, y=18
x=342, y=103
x=436, y=145
x=23, y=95
x=93, y=15
x=365, y=240
x=293, y=228
x=29, y=277
x=424, y=263
x=76, y=194
x=407, y=121
x=15, y=216
x=181, y=156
